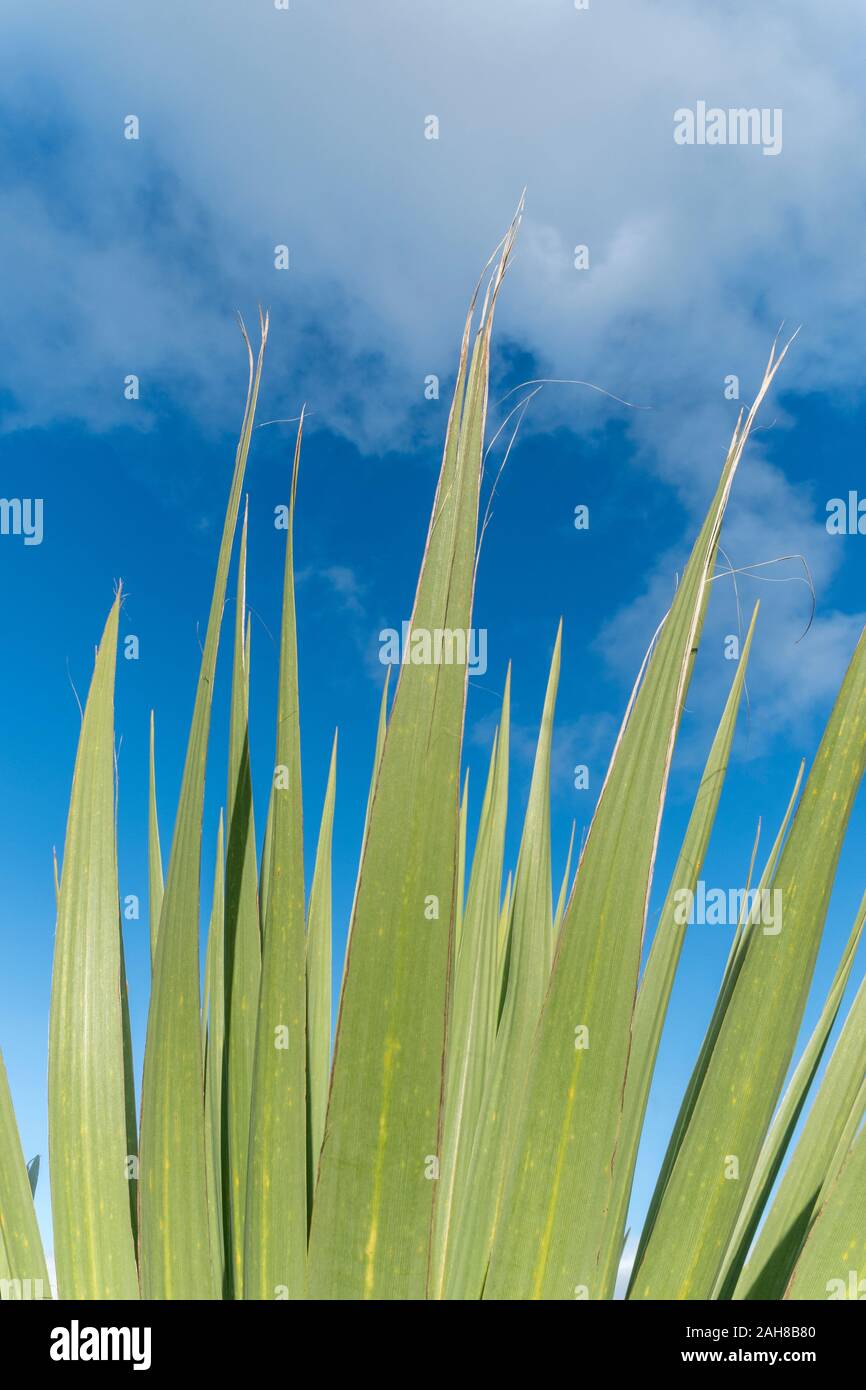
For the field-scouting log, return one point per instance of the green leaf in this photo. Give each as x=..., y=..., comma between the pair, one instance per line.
x=658, y=978
x=33, y=1174
x=319, y=986
x=130, y=1107
x=8, y=1290
x=213, y=1027
x=372, y=1212
x=563, y=891
x=156, y=887
x=243, y=961
x=461, y=861
x=265, y=870
x=560, y=1187
x=175, y=1244
x=702, y=1199
x=838, y=1103
x=381, y=730
x=94, y=1246
x=276, y=1212
x=474, y=1007
x=833, y=1260
x=21, y=1254
x=736, y=957
x=503, y=937
x=374, y=777
x=784, y=1122
x=478, y=1210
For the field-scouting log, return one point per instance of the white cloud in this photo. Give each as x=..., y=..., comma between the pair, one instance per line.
x=341, y=580
x=305, y=126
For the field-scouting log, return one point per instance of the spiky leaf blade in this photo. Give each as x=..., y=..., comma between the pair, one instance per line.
x=175, y=1242
x=531, y=927
x=837, y=1108
x=94, y=1246
x=658, y=978
x=21, y=1255
x=213, y=1025
x=319, y=986
x=558, y=1192
x=155, y=883
x=701, y=1202
x=242, y=937
x=276, y=1209
x=371, y=1216
x=832, y=1263
x=474, y=1007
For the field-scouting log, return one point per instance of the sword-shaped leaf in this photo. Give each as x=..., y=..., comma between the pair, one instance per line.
x=21, y=1256
x=265, y=870
x=563, y=890
x=94, y=1245
x=381, y=730
x=718, y=1153
x=558, y=1194
x=175, y=1246
x=276, y=1210
x=736, y=956
x=658, y=978
x=811, y=1164
x=461, y=862
x=319, y=985
x=374, y=776
x=503, y=937
x=474, y=1007
x=213, y=1026
x=372, y=1211
x=833, y=1260
x=155, y=884
x=243, y=961
x=784, y=1122
x=480, y=1198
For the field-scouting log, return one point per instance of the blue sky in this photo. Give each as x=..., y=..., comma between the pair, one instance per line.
x=306, y=128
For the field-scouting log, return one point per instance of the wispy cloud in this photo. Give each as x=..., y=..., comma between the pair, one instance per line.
x=695, y=254
x=340, y=580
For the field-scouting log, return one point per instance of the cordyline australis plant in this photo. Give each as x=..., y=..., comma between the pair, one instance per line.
x=477, y=1130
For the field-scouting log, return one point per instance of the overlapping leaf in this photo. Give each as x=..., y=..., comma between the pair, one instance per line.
x=319, y=989
x=658, y=978
x=717, y=1156
x=22, y=1259
x=175, y=1245
x=558, y=1193
x=275, y=1233
x=371, y=1218
x=836, y=1111
x=91, y=1163
x=478, y=1209
x=833, y=1260
x=474, y=1008
x=242, y=938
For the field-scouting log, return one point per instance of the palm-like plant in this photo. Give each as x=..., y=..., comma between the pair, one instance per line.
x=477, y=1130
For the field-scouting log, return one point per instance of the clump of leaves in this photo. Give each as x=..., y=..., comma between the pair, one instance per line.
x=476, y=1132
